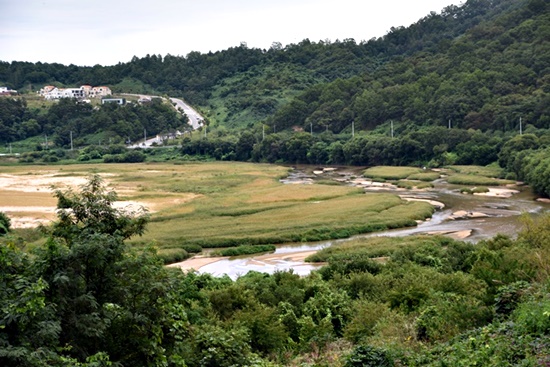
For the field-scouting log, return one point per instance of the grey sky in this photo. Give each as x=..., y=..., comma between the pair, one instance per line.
x=105, y=32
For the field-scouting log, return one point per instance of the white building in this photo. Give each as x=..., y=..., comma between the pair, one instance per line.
x=86, y=91
x=5, y=91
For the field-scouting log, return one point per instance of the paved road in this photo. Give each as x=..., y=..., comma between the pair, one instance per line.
x=195, y=119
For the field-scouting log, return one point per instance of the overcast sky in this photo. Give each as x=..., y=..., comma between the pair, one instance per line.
x=105, y=32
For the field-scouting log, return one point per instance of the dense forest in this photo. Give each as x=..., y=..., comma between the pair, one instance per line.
x=87, y=299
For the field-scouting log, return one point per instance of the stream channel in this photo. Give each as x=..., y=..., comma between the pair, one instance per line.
x=481, y=217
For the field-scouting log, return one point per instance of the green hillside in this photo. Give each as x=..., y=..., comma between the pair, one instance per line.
x=454, y=88
x=480, y=65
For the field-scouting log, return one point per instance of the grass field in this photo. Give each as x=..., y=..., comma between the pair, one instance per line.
x=487, y=171
x=391, y=173
x=475, y=180
x=374, y=247
x=223, y=204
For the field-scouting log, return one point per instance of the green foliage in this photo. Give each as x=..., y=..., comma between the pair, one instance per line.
x=508, y=297
x=460, y=179
x=448, y=314
x=91, y=212
x=5, y=224
x=535, y=169
x=246, y=250
x=391, y=173
x=533, y=317
x=215, y=346
x=369, y=356
x=173, y=255
x=85, y=300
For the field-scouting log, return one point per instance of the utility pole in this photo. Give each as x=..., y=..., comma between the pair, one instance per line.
x=391, y=122
x=263, y=132
x=449, y=123
x=353, y=128
x=520, y=127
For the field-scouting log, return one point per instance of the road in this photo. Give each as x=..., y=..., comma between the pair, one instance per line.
x=195, y=119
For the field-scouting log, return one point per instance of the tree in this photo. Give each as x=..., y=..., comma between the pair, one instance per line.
x=92, y=212
x=5, y=224
x=84, y=298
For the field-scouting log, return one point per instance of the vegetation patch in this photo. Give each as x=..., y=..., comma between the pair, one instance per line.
x=424, y=176
x=220, y=204
x=467, y=179
x=245, y=250
x=488, y=171
x=390, y=173
x=173, y=255
x=407, y=184
x=374, y=247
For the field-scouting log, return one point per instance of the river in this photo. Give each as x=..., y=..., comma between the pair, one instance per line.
x=485, y=217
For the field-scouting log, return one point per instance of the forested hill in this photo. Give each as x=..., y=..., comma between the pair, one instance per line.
x=481, y=65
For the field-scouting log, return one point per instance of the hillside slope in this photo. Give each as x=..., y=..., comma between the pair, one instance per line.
x=481, y=65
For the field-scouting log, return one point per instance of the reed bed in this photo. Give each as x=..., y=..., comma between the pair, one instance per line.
x=390, y=172
x=224, y=204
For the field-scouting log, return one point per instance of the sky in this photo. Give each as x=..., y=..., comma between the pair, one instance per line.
x=106, y=32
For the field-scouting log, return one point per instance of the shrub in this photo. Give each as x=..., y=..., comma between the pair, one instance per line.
x=508, y=296
x=173, y=255
x=480, y=190
x=5, y=223
x=368, y=356
x=533, y=317
x=221, y=347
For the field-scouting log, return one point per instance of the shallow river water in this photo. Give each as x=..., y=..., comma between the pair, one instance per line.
x=502, y=216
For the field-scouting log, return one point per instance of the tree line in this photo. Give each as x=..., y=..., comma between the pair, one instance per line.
x=86, y=123
x=522, y=157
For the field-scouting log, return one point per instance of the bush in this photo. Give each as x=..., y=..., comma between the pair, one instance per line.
x=533, y=317
x=480, y=190
x=5, y=223
x=134, y=156
x=219, y=346
x=173, y=255
x=368, y=356
x=508, y=296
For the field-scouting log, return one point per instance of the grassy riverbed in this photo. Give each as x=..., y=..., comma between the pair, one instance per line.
x=227, y=204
